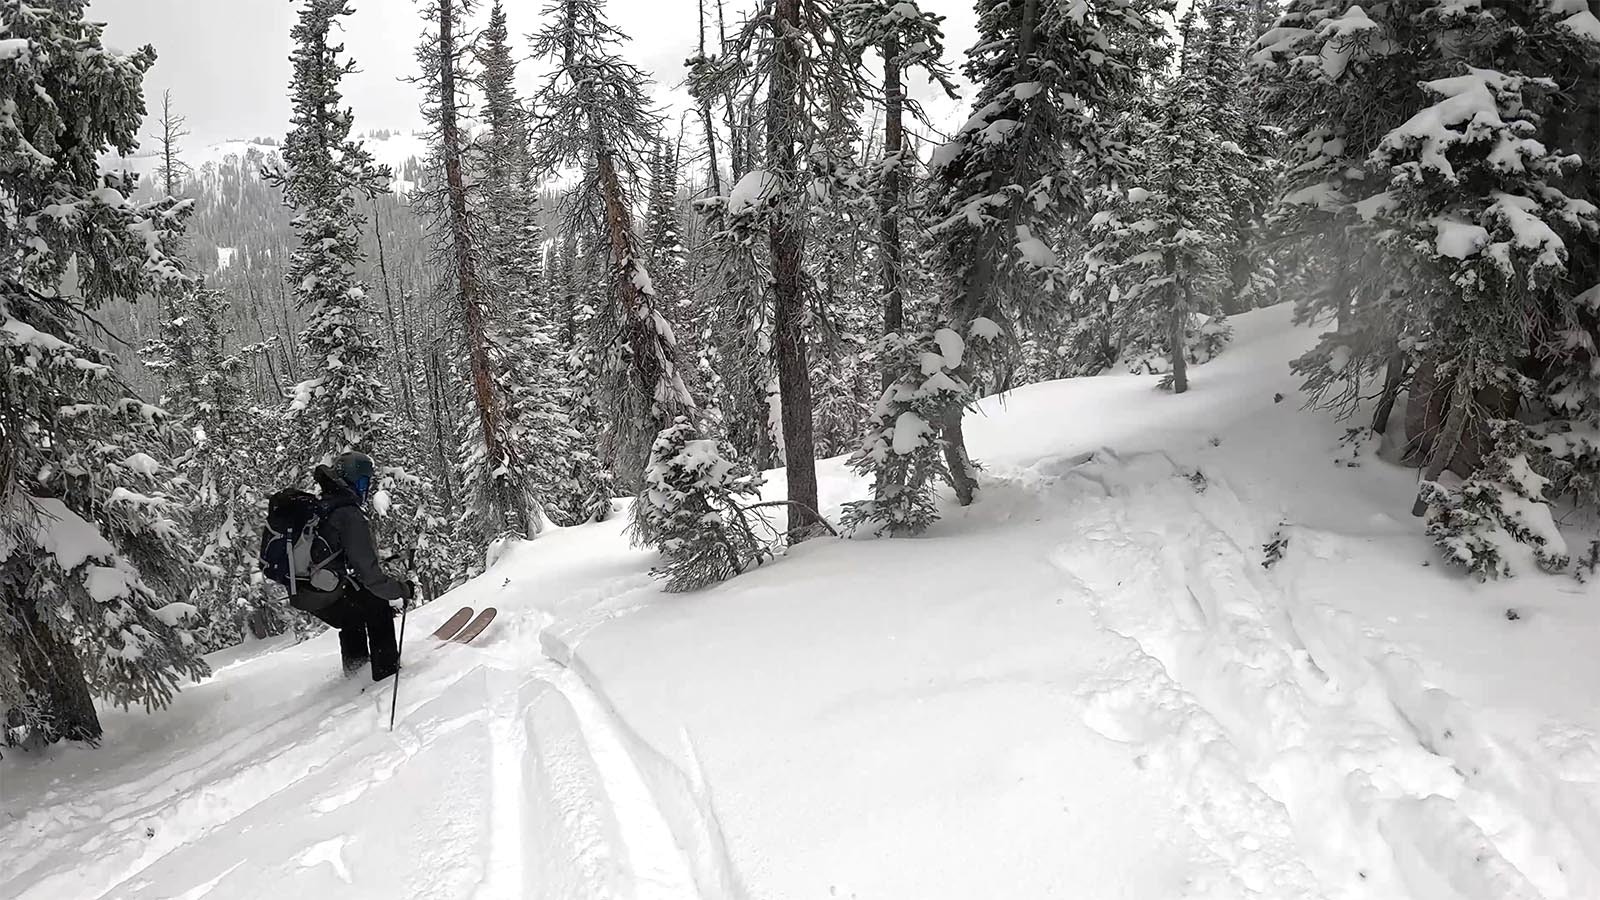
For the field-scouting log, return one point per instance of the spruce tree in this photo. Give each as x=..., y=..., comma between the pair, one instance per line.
x=1467, y=235
x=342, y=404
x=502, y=500
x=907, y=38
x=91, y=553
x=1045, y=71
x=594, y=112
x=1180, y=220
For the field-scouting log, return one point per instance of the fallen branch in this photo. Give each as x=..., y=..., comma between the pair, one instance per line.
x=818, y=516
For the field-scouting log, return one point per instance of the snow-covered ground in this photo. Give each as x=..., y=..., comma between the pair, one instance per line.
x=1087, y=685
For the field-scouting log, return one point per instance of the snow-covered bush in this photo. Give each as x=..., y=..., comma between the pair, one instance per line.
x=692, y=509
x=1480, y=523
x=902, y=450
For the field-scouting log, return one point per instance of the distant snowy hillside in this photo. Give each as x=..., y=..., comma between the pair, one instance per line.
x=1182, y=647
x=391, y=148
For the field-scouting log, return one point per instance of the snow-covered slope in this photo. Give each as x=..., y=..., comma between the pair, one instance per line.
x=390, y=148
x=1087, y=685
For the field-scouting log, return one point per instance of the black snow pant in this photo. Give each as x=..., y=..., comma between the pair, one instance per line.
x=366, y=631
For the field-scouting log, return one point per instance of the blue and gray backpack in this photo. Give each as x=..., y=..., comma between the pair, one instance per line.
x=296, y=555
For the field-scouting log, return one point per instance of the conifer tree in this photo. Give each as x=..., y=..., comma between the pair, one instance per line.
x=91, y=553
x=594, y=112
x=907, y=38
x=343, y=404
x=1180, y=220
x=1468, y=208
x=502, y=499
x=171, y=170
x=1044, y=70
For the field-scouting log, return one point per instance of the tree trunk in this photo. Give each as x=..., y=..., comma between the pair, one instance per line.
x=1175, y=341
x=50, y=675
x=705, y=117
x=506, y=506
x=406, y=392
x=1394, y=377
x=889, y=197
x=652, y=362
x=436, y=404
x=1455, y=423
x=1341, y=287
x=794, y=374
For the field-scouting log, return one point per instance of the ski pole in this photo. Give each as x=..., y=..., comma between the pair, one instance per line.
x=394, y=699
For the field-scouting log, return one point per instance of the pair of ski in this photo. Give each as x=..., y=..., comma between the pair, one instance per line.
x=459, y=630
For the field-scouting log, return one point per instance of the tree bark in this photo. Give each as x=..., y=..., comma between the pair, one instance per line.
x=1455, y=423
x=1394, y=377
x=406, y=393
x=1175, y=344
x=50, y=672
x=706, y=119
x=889, y=197
x=505, y=507
x=794, y=374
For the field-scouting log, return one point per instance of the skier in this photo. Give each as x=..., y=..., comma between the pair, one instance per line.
x=365, y=613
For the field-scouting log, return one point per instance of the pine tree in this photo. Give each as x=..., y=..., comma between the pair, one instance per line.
x=663, y=233
x=91, y=554
x=1011, y=173
x=1179, y=219
x=796, y=58
x=907, y=38
x=343, y=405
x=697, y=508
x=502, y=498
x=1468, y=207
x=595, y=113
x=172, y=170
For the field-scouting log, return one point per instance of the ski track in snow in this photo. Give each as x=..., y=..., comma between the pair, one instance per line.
x=571, y=812
x=1304, y=748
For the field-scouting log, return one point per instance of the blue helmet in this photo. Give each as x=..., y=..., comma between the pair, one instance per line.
x=356, y=470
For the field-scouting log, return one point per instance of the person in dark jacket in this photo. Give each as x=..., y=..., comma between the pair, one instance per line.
x=365, y=613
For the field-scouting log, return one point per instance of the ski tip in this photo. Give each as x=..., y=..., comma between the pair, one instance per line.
x=454, y=624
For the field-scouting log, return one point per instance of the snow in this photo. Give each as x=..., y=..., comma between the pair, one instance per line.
x=67, y=536
x=755, y=188
x=951, y=347
x=1584, y=24
x=1468, y=103
x=393, y=151
x=225, y=257
x=1086, y=684
x=13, y=48
x=144, y=464
x=108, y=583
x=21, y=334
x=910, y=432
x=984, y=329
x=1457, y=239
x=1035, y=252
x=1342, y=38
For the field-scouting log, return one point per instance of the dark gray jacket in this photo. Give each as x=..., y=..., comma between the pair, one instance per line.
x=345, y=528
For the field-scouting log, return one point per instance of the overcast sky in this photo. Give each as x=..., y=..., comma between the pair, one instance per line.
x=227, y=61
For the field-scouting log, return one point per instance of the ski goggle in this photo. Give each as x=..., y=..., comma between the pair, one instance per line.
x=361, y=485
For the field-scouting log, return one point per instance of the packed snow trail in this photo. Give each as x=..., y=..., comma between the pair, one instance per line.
x=505, y=778
x=1304, y=749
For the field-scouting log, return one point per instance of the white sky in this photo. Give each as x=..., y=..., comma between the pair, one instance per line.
x=227, y=61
